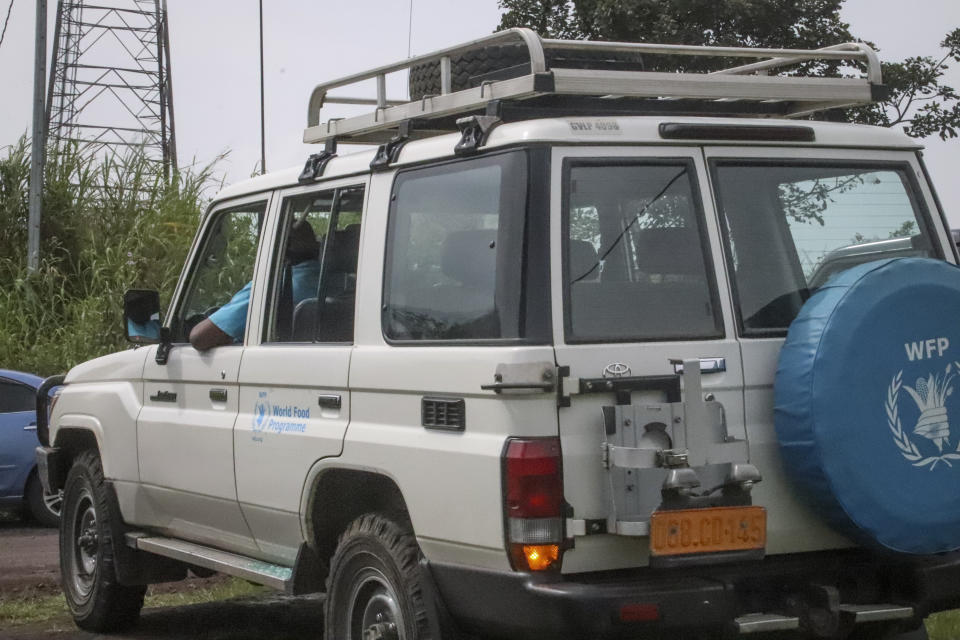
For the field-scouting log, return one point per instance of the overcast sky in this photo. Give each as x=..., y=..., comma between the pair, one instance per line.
x=215, y=65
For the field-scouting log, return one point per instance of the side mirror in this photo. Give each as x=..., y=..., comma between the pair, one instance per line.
x=141, y=316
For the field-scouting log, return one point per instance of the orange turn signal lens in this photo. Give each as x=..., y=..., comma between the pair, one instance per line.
x=539, y=557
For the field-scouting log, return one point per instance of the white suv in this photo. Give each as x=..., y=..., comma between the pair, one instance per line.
x=523, y=384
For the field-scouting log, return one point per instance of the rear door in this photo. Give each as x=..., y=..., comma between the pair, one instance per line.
x=294, y=400
x=791, y=218
x=18, y=436
x=634, y=288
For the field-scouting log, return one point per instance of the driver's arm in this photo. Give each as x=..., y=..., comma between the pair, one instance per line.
x=207, y=335
x=225, y=325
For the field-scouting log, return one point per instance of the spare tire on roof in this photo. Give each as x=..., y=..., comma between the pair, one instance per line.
x=499, y=62
x=867, y=404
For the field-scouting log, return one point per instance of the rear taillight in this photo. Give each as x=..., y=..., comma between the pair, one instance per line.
x=533, y=503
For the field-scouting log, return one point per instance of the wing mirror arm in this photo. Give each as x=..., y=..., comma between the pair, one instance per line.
x=166, y=343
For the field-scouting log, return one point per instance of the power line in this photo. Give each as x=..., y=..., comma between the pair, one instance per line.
x=6, y=22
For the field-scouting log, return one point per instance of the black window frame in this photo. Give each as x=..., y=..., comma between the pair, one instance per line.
x=173, y=321
x=535, y=297
x=696, y=193
x=276, y=259
x=901, y=167
x=31, y=391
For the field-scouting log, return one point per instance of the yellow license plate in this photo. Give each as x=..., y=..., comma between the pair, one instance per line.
x=707, y=530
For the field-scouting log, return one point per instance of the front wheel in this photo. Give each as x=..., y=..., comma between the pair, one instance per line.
x=96, y=600
x=374, y=589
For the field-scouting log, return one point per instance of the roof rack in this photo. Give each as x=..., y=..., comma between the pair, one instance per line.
x=745, y=90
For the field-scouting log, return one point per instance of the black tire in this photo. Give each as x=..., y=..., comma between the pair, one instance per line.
x=374, y=587
x=499, y=62
x=43, y=507
x=87, y=560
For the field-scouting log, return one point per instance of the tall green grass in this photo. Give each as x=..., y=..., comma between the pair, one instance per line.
x=109, y=224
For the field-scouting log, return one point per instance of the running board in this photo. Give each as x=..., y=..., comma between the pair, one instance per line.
x=271, y=575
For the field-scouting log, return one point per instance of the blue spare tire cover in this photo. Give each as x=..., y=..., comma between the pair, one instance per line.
x=867, y=404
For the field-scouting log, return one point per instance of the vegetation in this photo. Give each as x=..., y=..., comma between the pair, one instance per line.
x=41, y=606
x=918, y=102
x=108, y=224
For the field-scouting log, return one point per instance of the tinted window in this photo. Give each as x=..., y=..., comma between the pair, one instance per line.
x=16, y=397
x=791, y=227
x=224, y=267
x=635, y=262
x=455, y=252
x=315, y=273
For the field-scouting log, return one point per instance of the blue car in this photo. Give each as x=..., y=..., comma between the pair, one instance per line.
x=20, y=488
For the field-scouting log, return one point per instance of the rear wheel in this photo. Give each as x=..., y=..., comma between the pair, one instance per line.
x=44, y=507
x=87, y=560
x=374, y=589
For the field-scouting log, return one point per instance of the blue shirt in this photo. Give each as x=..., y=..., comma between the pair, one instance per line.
x=231, y=318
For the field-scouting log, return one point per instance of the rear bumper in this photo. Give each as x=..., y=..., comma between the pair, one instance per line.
x=813, y=588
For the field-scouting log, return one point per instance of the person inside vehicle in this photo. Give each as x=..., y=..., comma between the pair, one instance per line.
x=227, y=324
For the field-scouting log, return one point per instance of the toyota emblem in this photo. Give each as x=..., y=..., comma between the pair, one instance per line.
x=616, y=370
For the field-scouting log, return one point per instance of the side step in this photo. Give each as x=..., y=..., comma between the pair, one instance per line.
x=851, y=613
x=766, y=622
x=271, y=575
x=861, y=613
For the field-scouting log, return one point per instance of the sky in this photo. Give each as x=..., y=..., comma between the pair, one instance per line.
x=216, y=66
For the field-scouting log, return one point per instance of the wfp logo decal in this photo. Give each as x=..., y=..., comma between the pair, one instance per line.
x=261, y=412
x=276, y=418
x=931, y=394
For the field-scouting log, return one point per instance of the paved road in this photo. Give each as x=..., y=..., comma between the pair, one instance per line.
x=28, y=557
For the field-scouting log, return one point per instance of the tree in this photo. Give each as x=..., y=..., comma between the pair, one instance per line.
x=918, y=101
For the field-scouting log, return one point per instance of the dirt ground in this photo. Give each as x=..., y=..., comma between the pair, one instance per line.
x=29, y=566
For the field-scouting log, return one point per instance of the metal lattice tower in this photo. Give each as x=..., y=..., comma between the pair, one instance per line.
x=110, y=85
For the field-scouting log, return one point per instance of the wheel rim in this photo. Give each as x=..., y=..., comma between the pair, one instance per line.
x=53, y=501
x=85, y=545
x=374, y=612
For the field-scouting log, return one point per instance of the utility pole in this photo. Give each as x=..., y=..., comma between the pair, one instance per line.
x=39, y=140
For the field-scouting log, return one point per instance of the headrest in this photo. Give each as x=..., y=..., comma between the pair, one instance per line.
x=669, y=251
x=346, y=248
x=470, y=257
x=583, y=262
x=302, y=244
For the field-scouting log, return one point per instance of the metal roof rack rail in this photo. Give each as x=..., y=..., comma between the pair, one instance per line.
x=745, y=90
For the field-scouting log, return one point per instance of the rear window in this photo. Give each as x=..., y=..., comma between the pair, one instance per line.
x=457, y=254
x=790, y=227
x=635, y=263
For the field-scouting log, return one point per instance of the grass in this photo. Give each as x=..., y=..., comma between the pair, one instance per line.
x=944, y=625
x=109, y=224
x=38, y=606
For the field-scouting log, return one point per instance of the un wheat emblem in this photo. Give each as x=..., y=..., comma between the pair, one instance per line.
x=930, y=395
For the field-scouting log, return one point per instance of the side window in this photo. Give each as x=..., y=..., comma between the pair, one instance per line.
x=635, y=263
x=792, y=226
x=455, y=251
x=16, y=397
x=313, y=289
x=219, y=287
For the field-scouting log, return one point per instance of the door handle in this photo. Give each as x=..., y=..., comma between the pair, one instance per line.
x=31, y=427
x=707, y=365
x=218, y=395
x=330, y=401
